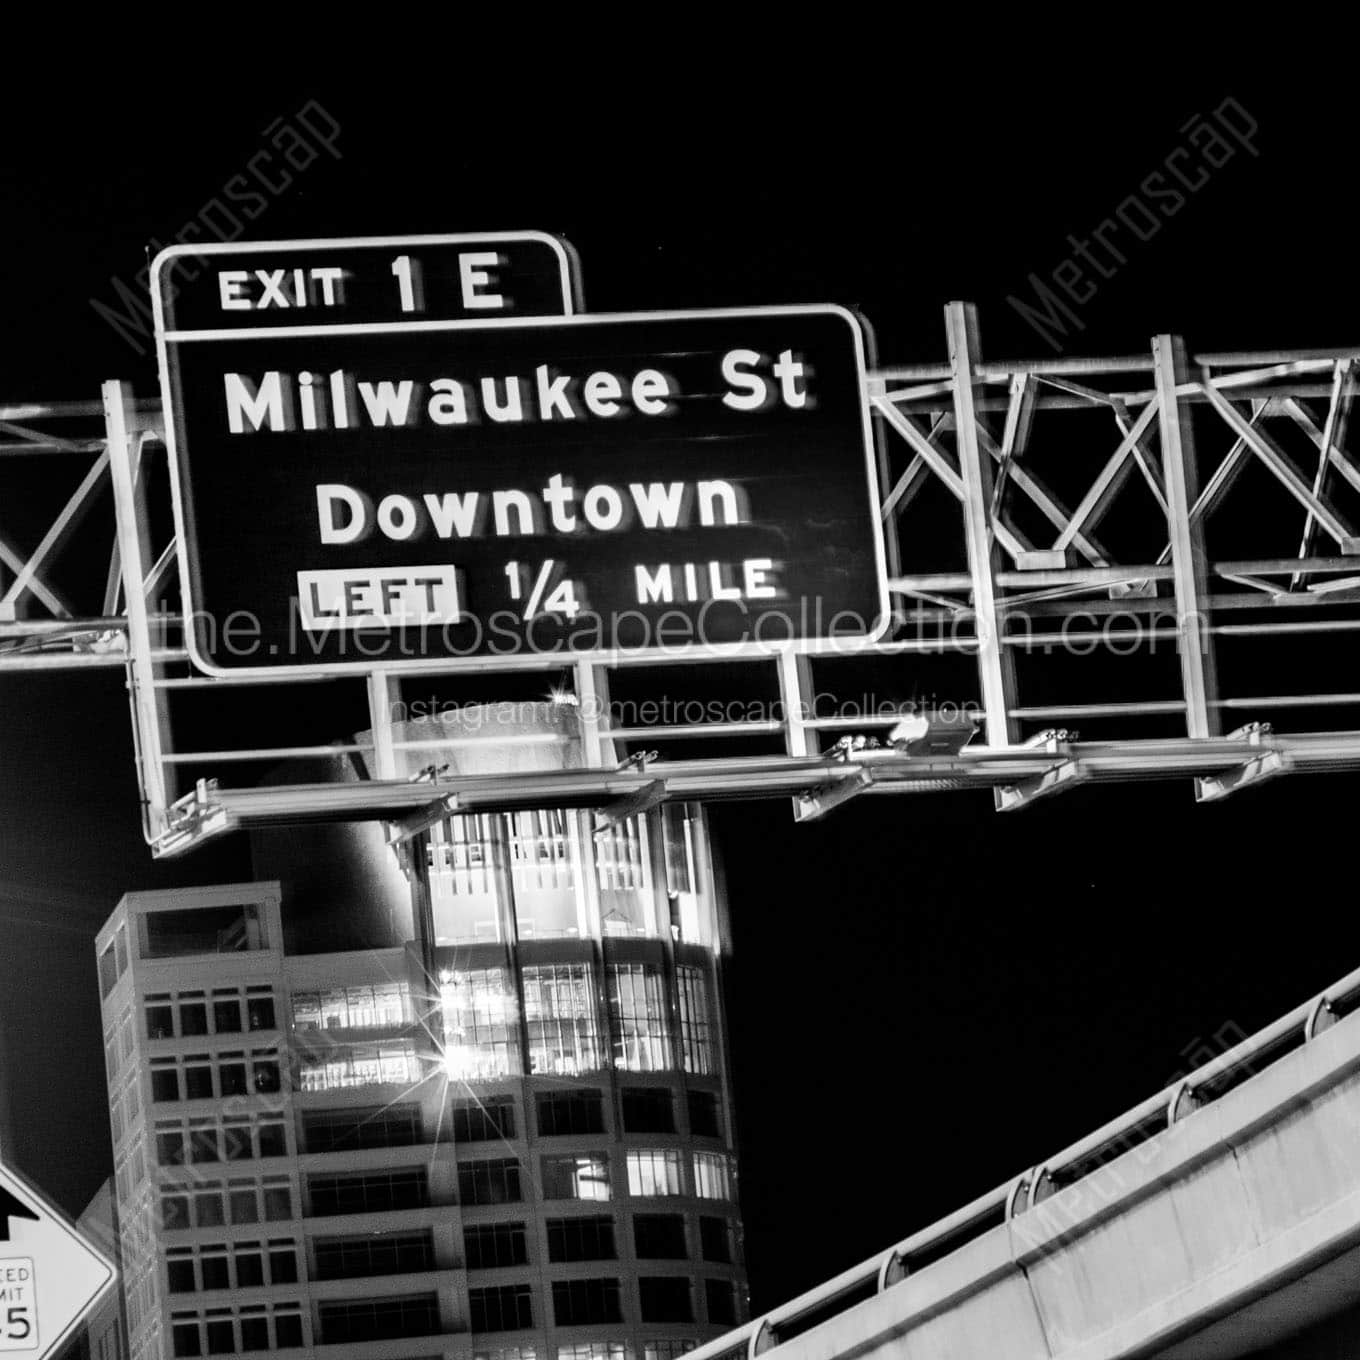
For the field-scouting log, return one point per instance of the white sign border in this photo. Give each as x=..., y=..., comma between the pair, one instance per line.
x=695, y=653
x=68, y=1226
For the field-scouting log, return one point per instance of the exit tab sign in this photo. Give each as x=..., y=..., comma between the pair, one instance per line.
x=202, y=290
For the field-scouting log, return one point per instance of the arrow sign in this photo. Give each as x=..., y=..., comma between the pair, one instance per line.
x=50, y=1276
x=11, y=1206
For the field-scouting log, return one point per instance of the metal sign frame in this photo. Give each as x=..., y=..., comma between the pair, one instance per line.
x=965, y=433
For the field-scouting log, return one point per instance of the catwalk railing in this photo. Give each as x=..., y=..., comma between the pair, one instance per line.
x=1147, y=546
x=1025, y=1193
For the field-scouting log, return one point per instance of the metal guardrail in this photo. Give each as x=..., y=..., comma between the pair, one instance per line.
x=1021, y=1193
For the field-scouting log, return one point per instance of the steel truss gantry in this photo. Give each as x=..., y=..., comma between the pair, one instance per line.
x=1098, y=513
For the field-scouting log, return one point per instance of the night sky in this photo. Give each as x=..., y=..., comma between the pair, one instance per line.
x=926, y=997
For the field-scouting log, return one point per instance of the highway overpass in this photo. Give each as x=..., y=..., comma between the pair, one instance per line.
x=1219, y=1218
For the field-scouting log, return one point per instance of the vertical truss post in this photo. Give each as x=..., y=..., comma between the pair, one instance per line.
x=1190, y=572
x=150, y=717
x=592, y=697
x=797, y=698
x=384, y=693
x=996, y=669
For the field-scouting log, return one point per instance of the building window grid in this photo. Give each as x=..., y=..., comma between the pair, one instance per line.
x=372, y=1192
x=501, y=1308
x=586, y=1302
x=341, y=1069
x=481, y=1024
x=214, y=1331
x=712, y=1175
x=594, y=1350
x=494, y=1246
x=581, y=1239
x=385, y=1254
x=203, y=1205
x=583, y=1176
x=195, y=1009
x=654, y=1172
x=639, y=1018
x=481, y=1121
x=560, y=1019
x=191, y=1076
x=490, y=1182
x=377, y=1006
x=564, y=1114
x=540, y=850
x=355, y=1320
x=696, y=1033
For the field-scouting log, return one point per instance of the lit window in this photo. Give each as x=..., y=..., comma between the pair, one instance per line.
x=559, y=1016
x=582, y=1177
x=637, y=1012
x=655, y=1172
x=712, y=1177
x=481, y=1030
x=593, y=1350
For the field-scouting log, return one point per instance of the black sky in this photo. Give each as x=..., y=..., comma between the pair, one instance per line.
x=927, y=997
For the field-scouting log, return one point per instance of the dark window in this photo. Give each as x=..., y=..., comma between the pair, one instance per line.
x=180, y=1272
x=193, y=1018
x=721, y=1301
x=476, y=1121
x=568, y=1112
x=374, y=1319
x=198, y=1083
x=108, y=971
x=245, y=1207
x=185, y=1337
x=273, y=1139
x=254, y=1333
x=494, y=1182
x=215, y=1273
x=648, y=1109
x=170, y=1148
x=386, y=1254
x=202, y=930
x=175, y=1211
x=266, y=1073
x=236, y=1142
x=231, y=1077
x=505, y=1308
x=581, y=1239
x=375, y=1193
x=489, y=1245
x=160, y=1022
x=227, y=1016
x=660, y=1237
x=715, y=1239
x=249, y=1266
x=164, y=1083
x=585, y=1302
x=203, y=1145
x=287, y=1330
x=208, y=1209
x=703, y=1114
x=349, y=1130
x=282, y=1263
x=278, y=1202
x=221, y=1336
x=665, y=1298
x=260, y=1010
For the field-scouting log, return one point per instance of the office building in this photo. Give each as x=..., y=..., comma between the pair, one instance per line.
x=506, y=1136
